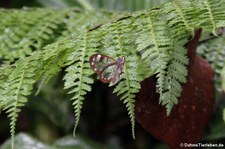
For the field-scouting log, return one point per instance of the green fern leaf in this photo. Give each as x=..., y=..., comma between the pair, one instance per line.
x=128, y=86
x=211, y=14
x=33, y=30
x=18, y=86
x=214, y=52
x=78, y=75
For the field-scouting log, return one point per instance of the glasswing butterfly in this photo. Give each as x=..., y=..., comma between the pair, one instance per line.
x=107, y=68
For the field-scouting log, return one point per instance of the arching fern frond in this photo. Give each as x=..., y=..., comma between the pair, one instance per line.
x=176, y=74
x=157, y=53
x=78, y=77
x=18, y=86
x=165, y=56
x=128, y=86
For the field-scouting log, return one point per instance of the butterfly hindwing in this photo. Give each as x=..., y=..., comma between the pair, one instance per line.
x=108, y=72
x=107, y=68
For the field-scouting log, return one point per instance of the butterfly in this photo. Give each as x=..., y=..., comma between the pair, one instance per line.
x=107, y=68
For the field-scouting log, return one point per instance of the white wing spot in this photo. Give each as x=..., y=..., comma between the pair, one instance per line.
x=92, y=63
x=95, y=69
x=98, y=57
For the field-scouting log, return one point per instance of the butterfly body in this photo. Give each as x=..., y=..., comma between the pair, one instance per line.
x=107, y=68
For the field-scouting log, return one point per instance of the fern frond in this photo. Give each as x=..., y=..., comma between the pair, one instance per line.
x=179, y=13
x=181, y=23
x=211, y=14
x=176, y=74
x=128, y=86
x=78, y=78
x=15, y=90
x=164, y=57
x=157, y=52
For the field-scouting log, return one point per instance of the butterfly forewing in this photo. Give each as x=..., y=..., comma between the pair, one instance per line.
x=109, y=70
x=98, y=62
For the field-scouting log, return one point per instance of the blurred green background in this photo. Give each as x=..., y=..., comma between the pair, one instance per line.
x=128, y=5
x=47, y=121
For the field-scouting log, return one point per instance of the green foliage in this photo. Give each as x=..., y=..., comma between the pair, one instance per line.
x=78, y=76
x=27, y=30
x=18, y=86
x=214, y=52
x=128, y=86
x=130, y=5
x=152, y=42
x=17, y=80
x=210, y=14
x=223, y=78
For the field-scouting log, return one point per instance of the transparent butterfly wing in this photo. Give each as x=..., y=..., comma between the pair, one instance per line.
x=115, y=78
x=109, y=72
x=98, y=62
